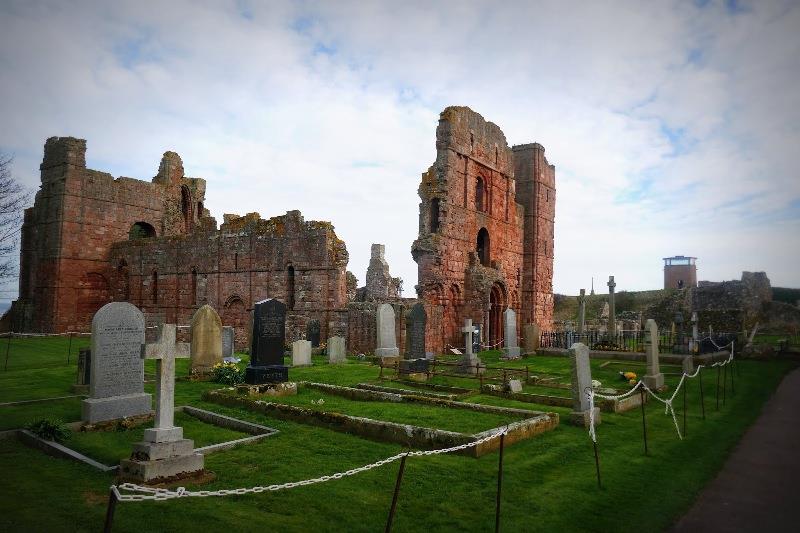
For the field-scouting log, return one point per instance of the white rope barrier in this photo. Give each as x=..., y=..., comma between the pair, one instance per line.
x=157, y=494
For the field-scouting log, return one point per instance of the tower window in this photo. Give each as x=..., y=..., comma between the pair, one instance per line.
x=482, y=247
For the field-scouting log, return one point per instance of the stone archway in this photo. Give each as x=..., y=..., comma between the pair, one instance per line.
x=497, y=304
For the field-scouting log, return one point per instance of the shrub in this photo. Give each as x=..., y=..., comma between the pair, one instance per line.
x=228, y=373
x=49, y=429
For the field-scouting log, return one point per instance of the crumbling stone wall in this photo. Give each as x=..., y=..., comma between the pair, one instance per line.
x=380, y=284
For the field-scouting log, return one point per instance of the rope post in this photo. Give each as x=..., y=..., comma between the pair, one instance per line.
x=380, y=374
x=480, y=381
x=527, y=374
x=644, y=422
x=685, y=386
x=597, y=464
x=69, y=348
x=733, y=368
x=724, y=382
x=112, y=505
x=396, y=492
x=718, y=371
x=499, y=484
x=8, y=348
x=702, y=398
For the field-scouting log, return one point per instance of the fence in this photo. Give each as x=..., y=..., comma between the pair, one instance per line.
x=25, y=351
x=634, y=341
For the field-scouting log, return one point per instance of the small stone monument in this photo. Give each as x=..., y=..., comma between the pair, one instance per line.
x=469, y=363
x=510, y=330
x=514, y=385
x=337, y=351
x=163, y=452
x=416, y=321
x=228, y=336
x=612, y=310
x=654, y=379
x=117, y=371
x=582, y=312
x=301, y=353
x=312, y=332
x=531, y=338
x=387, y=340
x=687, y=364
x=581, y=385
x=267, y=345
x=206, y=345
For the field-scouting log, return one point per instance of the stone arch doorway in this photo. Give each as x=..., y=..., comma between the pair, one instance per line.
x=497, y=304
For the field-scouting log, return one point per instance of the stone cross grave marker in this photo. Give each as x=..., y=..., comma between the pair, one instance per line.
x=612, y=309
x=654, y=379
x=117, y=372
x=227, y=341
x=510, y=323
x=581, y=385
x=470, y=361
x=415, y=336
x=268, y=344
x=387, y=340
x=312, y=332
x=582, y=312
x=301, y=353
x=337, y=351
x=206, y=345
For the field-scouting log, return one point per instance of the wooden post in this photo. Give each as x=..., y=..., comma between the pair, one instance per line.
x=733, y=368
x=702, y=398
x=396, y=493
x=718, y=371
x=724, y=382
x=644, y=423
x=112, y=505
x=597, y=464
x=8, y=347
x=69, y=348
x=685, y=386
x=499, y=485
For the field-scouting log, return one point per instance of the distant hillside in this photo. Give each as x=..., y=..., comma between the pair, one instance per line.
x=566, y=307
x=787, y=296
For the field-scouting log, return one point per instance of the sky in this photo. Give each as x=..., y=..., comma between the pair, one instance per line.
x=673, y=126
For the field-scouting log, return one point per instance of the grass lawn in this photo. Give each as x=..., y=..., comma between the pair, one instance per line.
x=548, y=483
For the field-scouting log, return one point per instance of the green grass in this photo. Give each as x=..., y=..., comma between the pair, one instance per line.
x=18, y=353
x=108, y=447
x=548, y=484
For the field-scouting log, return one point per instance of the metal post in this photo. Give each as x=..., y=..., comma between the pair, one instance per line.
x=396, y=492
x=112, y=505
x=702, y=398
x=597, y=465
x=724, y=382
x=717, y=388
x=8, y=347
x=733, y=368
x=527, y=375
x=685, y=386
x=69, y=348
x=499, y=485
x=644, y=423
x=380, y=374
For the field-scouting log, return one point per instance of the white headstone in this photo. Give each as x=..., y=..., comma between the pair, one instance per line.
x=336, y=350
x=301, y=353
x=581, y=385
x=387, y=340
x=654, y=378
x=510, y=330
x=227, y=341
x=515, y=385
x=117, y=372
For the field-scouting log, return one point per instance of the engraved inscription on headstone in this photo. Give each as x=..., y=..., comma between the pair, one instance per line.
x=415, y=332
x=267, y=344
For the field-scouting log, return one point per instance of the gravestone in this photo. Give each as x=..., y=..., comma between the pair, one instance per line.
x=227, y=341
x=581, y=385
x=687, y=364
x=470, y=362
x=477, y=338
x=612, y=310
x=163, y=452
x=312, y=333
x=337, y=351
x=415, y=332
x=531, y=338
x=268, y=344
x=515, y=385
x=387, y=340
x=582, y=312
x=117, y=372
x=301, y=353
x=654, y=379
x=206, y=345
x=510, y=330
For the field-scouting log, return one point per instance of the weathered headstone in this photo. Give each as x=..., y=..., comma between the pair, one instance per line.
x=268, y=344
x=206, y=345
x=581, y=385
x=582, y=311
x=515, y=385
x=654, y=379
x=387, y=340
x=228, y=336
x=415, y=332
x=510, y=330
x=687, y=364
x=301, y=353
x=312, y=332
x=531, y=338
x=163, y=452
x=337, y=351
x=612, y=309
x=117, y=371
x=470, y=362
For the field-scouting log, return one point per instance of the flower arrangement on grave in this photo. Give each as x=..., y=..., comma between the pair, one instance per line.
x=596, y=384
x=630, y=377
x=227, y=373
x=49, y=429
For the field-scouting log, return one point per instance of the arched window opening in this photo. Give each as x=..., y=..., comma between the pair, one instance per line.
x=483, y=247
x=194, y=287
x=480, y=192
x=141, y=230
x=186, y=207
x=154, y=287
x=434, y=215
x=290, y=287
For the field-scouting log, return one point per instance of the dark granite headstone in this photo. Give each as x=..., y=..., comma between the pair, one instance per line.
x=312, y=333
x=414, y=366
x=267, y=344
x=415, y=332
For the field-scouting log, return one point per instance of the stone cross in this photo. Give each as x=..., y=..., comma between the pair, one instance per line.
x=470, y=362
x=165, y=351
x=468, y=330
x=581, y=385
x=612, y=312
x=582, y=311
x=654, y=379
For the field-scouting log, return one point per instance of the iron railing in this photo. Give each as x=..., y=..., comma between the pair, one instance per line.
x=634, y=341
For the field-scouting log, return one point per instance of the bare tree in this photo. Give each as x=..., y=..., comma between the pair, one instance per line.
x=13, y=199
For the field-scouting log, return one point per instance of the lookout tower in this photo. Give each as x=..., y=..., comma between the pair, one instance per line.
x=679, y=272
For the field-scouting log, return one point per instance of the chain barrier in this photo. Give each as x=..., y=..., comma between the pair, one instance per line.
x=157, y=494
